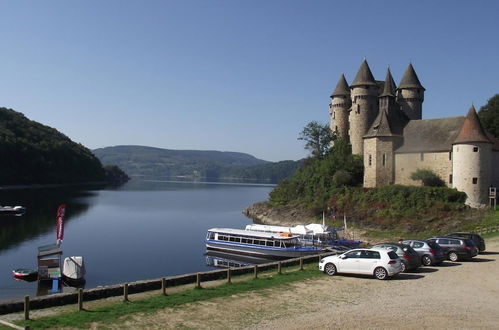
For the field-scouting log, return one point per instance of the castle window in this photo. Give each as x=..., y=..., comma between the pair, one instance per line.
x=370, y=160
x=358, y=108
x=450, y=156
x=421, y=156
x=336, y=128
x=450, y=178
x=334, y=114
x=384, y=159
x=475, y=149
x=475, y=180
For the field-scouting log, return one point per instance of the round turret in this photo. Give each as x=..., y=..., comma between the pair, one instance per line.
x=364, y=94
x=410, y=94
x=339, y=107
x=472, y=161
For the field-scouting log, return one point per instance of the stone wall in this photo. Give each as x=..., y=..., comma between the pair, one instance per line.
x=438, y=162
x=411, y=102
x=378, y=162
x=339, y=115
x=364, y=111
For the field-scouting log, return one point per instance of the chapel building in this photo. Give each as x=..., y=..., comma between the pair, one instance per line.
x=383, y=123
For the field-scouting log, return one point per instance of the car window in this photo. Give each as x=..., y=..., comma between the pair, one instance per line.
x=455, y=242
x=444, y=241
x=354, y=254
x=392, y=255
x=392, y=248
x=417, y=245
x=371, y=254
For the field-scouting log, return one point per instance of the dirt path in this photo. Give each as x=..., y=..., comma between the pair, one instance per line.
x=460, y=295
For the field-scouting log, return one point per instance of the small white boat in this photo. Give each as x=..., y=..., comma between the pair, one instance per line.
x=73, y=270
x=12, y=210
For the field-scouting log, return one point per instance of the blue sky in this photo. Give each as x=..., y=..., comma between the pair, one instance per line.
x=231, y=75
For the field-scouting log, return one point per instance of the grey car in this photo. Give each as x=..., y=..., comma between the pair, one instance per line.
x=409, y=257
x=430, y=252
x=456, y=248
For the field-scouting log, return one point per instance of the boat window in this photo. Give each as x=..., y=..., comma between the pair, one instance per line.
x=244, y=240
x=269, y=243
x=223, y=238
x=232, y=239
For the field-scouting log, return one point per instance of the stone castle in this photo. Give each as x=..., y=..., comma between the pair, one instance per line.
x=384, y=124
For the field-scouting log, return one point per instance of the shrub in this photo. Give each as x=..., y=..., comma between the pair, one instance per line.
x=428, y=178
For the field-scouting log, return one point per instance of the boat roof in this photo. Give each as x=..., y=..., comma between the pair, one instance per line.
x=250, y=233
x=311, y=229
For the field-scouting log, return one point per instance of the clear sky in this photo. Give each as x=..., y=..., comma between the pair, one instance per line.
x=232, y=75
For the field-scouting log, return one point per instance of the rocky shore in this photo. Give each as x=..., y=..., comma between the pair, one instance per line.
x=264, y=213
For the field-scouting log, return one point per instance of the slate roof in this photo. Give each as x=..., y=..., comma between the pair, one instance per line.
x=342, y=87
x=389, y=86
x=431, y=135
x=472, y=130
x=410, y=79
x=364, y=76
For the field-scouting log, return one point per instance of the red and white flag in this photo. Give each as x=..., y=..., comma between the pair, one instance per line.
x=59, y=223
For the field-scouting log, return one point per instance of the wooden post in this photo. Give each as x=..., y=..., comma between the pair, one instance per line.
x=279, y=268
x=301, y=263
x=26, y=307
x=229, y=275
x=163, y=286
x=255, y=271
x=198, y=280
x=125, y=292
x=80, y=299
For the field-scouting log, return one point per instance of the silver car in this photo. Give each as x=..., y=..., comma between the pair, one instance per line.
x=430, y=252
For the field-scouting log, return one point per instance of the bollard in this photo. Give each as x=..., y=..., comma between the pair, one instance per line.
x=198, y=280
x=301, y=263
x=255, y=271
x=125, y=292
x=26, y=307
x=163, y=286
x=80, y=299
x=279, y=268
x=229, y=275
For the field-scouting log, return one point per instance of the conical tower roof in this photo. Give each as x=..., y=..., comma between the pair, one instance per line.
x=472, y=130
x=381, y=126
x=389, y=87
x=410, y=79
x=342, y=87
x=364, y=76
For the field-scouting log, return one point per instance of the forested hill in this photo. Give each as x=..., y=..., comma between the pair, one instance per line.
x=34, y=153
x=165, y=164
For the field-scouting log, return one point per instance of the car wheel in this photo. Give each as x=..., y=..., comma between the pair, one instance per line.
x=330, y=269
x=453, y=256
x=404, y=267
x=426, y=260
x=380, y=273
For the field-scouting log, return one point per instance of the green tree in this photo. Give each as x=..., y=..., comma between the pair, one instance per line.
x=489, y=115
x=318, y=138
x=429, y=178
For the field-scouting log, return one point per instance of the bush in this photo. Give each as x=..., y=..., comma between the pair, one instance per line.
x=428, y=178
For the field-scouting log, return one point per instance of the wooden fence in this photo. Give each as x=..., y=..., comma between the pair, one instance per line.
x=486, y=230
x=141, y=286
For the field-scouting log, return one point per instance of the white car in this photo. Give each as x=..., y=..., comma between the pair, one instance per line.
x=377, y=262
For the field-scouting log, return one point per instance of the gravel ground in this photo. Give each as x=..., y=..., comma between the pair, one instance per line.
x=461, y=295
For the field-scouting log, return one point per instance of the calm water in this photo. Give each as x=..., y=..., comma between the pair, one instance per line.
x=142, y=230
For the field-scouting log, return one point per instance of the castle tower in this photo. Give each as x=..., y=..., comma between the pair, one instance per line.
x=339, y=107
x=472, y=161
x=364, y=94
x=382, y=138
x=410, y=94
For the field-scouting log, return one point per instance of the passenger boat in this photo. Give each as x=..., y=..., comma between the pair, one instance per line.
x=312, y=234
x=259, y=244
x=25, y=274
x=73, y=270
x=12, y=210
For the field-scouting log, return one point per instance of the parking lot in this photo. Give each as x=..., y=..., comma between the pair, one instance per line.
x=460, y=295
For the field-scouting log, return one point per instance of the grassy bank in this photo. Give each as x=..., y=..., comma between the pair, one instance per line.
x=119, y=312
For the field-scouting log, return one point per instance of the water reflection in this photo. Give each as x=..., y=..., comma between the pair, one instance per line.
x=41, y=206
x=230, y=260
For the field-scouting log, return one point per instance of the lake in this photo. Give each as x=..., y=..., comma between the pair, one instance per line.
x=141, y=230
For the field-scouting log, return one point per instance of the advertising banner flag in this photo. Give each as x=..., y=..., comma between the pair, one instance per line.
x=59, y=223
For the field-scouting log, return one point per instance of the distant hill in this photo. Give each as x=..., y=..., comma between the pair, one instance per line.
x=34, y=153
x=165, y=164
